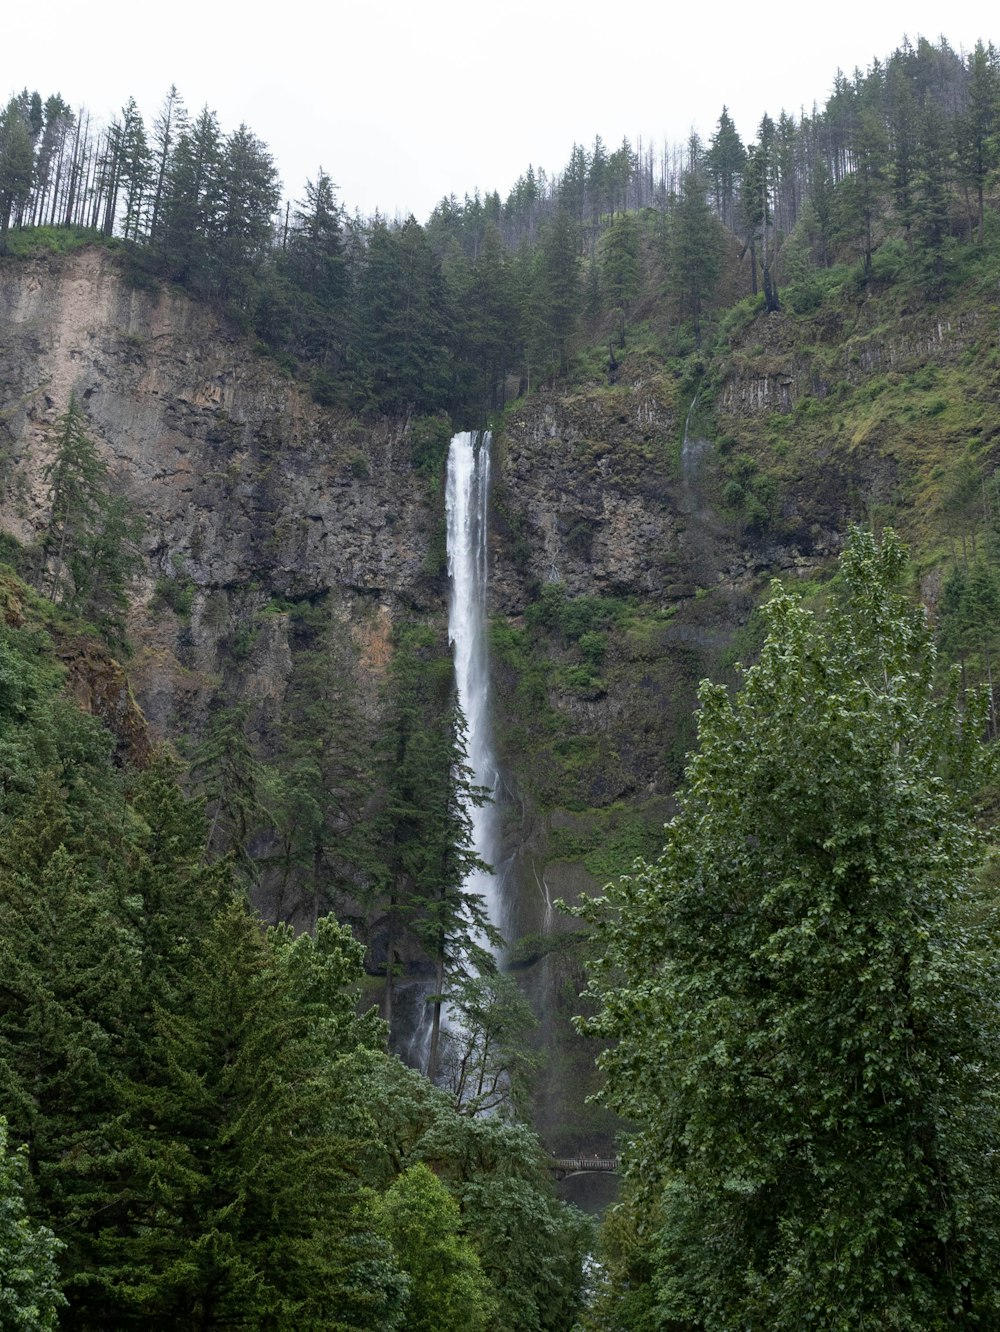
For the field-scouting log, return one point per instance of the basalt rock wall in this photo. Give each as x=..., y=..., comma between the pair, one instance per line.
x=250, y=493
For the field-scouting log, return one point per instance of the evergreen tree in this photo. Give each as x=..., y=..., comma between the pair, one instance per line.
x=166, y=127
x=232, y=781
x=314, y=264
x=932, y=195
x=191, y=202
x=241, y=230
x=904, y=124
x=620, y=269
x=321, y=799
x=429, y=854
x=89, y=550
x=860, y=191
x=67, y=975
x=402, y=324
x=134, y=173
x=16, y=167
x=243, y=1207
x=48, y=160
x=975, y=128
x=557, y=288
x=696, y=245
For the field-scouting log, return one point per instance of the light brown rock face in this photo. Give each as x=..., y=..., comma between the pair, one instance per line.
x=249, y=491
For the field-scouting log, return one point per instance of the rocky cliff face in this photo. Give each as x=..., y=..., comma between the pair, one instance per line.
x=249, y=491
x=254, y=496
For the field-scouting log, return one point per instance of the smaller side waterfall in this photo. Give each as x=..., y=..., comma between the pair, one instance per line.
x=466, y=503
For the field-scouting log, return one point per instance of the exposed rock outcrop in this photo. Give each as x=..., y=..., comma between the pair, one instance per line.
x=249, y=490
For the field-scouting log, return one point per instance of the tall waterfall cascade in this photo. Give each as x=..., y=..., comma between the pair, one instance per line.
x=466, y=504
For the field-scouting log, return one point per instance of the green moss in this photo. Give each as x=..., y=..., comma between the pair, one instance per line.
x=573, y=617
x=608, y=841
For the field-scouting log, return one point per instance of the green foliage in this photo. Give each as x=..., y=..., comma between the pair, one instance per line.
x=325, y=850
x=177, y=593
x=696, y=247
x=401, y=323
x=614, y=839
x=231, y=779
x=486, y=1061
x=29, y=1285
x=430, y=437
x=448, y=1291
x=557, y=290
x=428, y=844
x=531, y=1247
x=573, y=617
x=240, y=1133
x=54, y=240
x=16, y=165
x=626, y=1268
x=803, y=1026
x=970, y=610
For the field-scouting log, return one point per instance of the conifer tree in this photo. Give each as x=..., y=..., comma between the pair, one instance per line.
x=558, y=292
x=16, y=167
x=976, y=127
x=696, y=244
x=620, y=271
x=725, y=161
x=89, y=549
x=315, y=265
x=243, y=1208
x=429, y=855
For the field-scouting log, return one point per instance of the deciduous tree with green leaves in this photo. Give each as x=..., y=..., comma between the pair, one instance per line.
x=448, y=1290
x=801, y=991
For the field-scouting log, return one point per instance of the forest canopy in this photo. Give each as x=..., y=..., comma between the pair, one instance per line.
x=482, y=299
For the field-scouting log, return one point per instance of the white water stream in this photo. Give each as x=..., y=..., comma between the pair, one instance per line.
x=466, y=501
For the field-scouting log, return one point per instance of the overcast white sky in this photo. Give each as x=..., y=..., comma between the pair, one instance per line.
x=402, y=103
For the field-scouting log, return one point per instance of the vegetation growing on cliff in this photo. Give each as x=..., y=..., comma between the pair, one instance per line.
x=89, y=549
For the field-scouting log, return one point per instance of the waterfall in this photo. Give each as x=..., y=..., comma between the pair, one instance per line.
x=466, y=500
